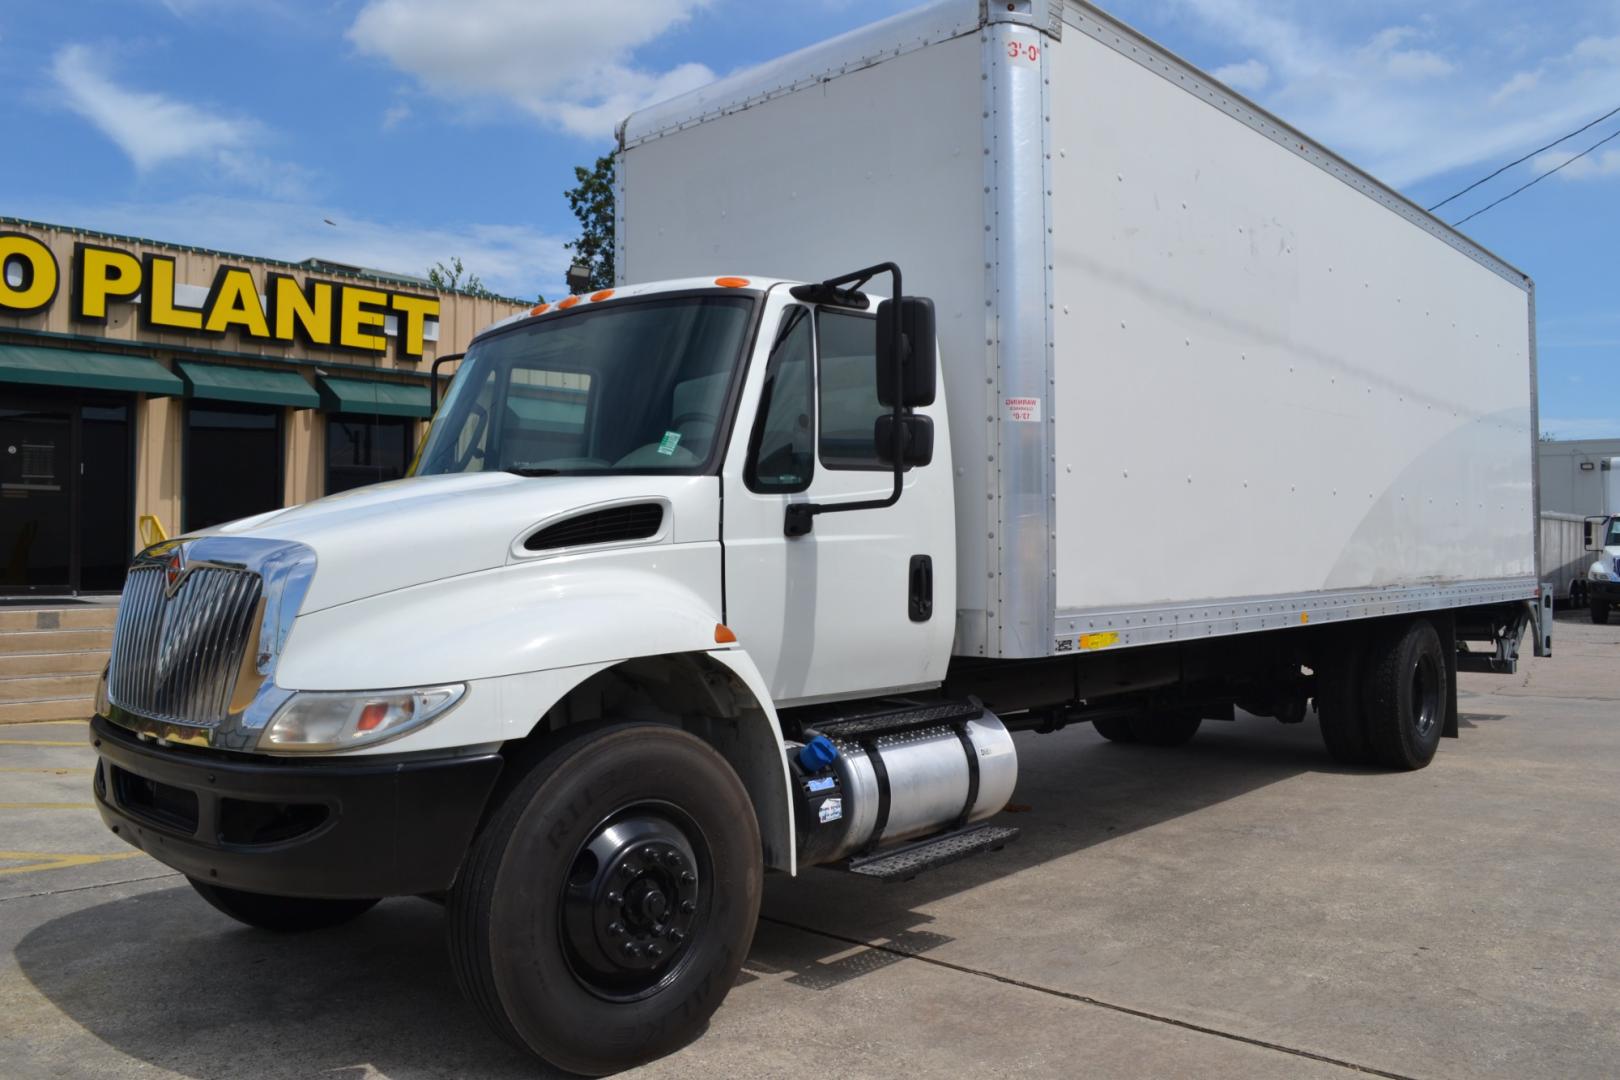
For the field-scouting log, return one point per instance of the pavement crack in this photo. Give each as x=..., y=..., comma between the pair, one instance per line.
x=83, y=888
x=1085, y=999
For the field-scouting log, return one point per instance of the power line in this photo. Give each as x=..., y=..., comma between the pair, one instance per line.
x=1524, y=159
x=1539, y=179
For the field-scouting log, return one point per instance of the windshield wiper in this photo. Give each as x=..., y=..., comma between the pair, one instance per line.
x=530, y=470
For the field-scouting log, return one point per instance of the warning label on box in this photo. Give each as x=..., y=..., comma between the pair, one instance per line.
x=1021, y=410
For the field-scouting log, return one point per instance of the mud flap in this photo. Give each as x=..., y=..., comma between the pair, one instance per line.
x=1448, y=645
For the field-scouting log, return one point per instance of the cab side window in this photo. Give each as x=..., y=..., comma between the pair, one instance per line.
x=782, y=451
x=849, y=401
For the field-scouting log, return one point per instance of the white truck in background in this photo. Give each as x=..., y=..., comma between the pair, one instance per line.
x=1601, y=588
x=741, y=566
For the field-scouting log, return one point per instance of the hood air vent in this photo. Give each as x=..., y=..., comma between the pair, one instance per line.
x=614, y=525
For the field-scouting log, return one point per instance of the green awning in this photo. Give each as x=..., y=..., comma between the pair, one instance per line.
x=373, y=398
x=90, y=370
x=549, y=413
x=256, y=386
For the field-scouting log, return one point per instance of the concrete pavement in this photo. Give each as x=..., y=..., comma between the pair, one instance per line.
x=1238, y=907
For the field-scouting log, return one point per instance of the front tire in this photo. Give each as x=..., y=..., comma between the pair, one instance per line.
x=1600, y=612
x=606, y=908
x=280, y=914
x=1407, y=694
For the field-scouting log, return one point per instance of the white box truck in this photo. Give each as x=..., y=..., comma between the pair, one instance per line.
x=740, y=566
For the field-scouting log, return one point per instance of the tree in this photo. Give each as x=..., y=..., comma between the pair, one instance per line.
x=455, y=278
x=592, y=203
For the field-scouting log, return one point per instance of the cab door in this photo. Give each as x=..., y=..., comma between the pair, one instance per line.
x=865, y=603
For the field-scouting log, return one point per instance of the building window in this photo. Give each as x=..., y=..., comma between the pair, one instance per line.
x=363, y=450
x=847, y=349
x=232, y=462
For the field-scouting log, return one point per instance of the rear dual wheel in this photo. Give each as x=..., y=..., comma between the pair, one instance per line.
x=607, y=906
x=1152, y=729
x=1382, y=699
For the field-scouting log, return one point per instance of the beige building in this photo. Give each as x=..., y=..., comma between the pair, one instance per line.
x=142, y=380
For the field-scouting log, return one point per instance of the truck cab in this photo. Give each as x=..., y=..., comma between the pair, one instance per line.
x=621, y=557
x=1603, y=576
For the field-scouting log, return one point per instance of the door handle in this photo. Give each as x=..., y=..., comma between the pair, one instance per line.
x=920, y=602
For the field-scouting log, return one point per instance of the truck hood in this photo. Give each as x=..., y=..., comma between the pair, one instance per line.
x=391, y=536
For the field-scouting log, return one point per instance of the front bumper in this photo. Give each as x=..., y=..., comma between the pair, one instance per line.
x=332, y=827
x=1603, y=590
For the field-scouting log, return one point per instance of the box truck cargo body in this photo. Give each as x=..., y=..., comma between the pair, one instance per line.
x=989, y=370
x=1205, y=377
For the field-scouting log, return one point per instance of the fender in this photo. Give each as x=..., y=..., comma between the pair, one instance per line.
x=525, y=636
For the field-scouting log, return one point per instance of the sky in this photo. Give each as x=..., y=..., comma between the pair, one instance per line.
x=429, y=129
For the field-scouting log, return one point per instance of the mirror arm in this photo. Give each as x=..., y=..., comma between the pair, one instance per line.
x=800, y=518
x=433, y=381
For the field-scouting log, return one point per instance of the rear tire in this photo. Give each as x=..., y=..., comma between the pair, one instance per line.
x=1166, y=729
x=280, y=914
x=1600, y=612
x=1340, y=700
x=1114, y=729
x=1407, y=694
x=605, y=910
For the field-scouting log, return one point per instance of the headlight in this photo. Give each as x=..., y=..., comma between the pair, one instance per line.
x=313, y=721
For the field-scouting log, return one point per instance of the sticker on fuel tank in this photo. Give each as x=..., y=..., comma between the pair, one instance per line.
x=831, y=810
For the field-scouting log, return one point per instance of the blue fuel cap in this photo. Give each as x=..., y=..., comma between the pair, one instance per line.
x=817, y=754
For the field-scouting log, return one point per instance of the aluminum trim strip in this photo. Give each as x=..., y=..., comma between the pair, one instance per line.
x=1151, y=625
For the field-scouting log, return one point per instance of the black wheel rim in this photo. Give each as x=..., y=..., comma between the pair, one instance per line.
x=635, y=900
x=1425, y=695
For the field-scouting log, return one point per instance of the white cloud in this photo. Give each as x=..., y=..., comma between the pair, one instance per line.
x=1522, y=82
x=1596, y=166
x=150, y=128
x=1416, y=99
x=569, y=64
x=512, y=258
x=395, y=115
x=1250, y=76
x=154, y=130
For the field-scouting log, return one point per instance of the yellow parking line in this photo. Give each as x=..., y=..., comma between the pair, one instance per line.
x=46, y=860
x=45, y=723
x=47, y=806
x=42, y=742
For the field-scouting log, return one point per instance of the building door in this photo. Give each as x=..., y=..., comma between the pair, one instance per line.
x=65, y=486
x=232, y=463
x=363, y=450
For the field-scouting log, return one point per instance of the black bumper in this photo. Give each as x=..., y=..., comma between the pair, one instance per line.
x=328, y=828
x=1603, y=590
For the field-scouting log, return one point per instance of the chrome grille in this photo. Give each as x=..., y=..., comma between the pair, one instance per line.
x=175, y=657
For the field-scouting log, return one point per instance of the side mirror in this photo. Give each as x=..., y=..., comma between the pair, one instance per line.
x=1594, y=532
x=916, y=440
x=915, y=325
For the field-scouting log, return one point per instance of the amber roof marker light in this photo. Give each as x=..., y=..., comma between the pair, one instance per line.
x=731, y=282
x=568, y=301
x=599, y=296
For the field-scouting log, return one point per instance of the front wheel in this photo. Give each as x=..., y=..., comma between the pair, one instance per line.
x=606, y=908
x=280, y=914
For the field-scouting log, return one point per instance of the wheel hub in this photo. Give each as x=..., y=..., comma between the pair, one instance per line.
x=630, y=905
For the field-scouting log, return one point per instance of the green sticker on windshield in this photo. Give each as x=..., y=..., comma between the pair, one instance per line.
x=669, y=442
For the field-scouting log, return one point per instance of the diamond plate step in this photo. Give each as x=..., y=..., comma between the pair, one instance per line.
x=905, y=863
x=899, y=719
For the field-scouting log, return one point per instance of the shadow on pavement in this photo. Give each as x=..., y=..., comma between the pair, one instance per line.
x=162, y=977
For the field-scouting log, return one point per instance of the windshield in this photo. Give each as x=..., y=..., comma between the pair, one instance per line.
x=629, y=387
